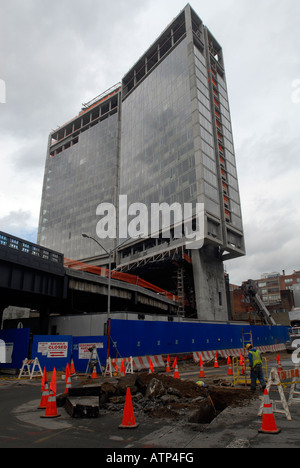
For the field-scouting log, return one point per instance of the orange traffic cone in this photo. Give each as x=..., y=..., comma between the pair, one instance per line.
x=268, y=420
x=151, y=367
x=68, y=384
x=168, y=364
x=72, y=368
x=45, y=395
x=280, y=369
x=216, y=361
x=128, y=421
x=202, y=373
x=122, y=369
x=68, y=379
x=51, y=408
x=176, y=373
x=44, y=379
x=94, y=374
x=229, y=366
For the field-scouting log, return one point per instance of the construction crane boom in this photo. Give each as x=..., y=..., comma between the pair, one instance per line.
x=251, y=293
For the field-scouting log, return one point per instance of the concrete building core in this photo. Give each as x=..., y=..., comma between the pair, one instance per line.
x=162, y=135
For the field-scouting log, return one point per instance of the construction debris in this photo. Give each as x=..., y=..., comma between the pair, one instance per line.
x=157, y=396
x=79, y=407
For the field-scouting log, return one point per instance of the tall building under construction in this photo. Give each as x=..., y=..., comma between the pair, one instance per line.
x=162, y=135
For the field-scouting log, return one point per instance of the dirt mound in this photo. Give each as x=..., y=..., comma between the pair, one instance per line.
x=187, y=388
x=221, y=361
x=221, y=396
x=163, y=396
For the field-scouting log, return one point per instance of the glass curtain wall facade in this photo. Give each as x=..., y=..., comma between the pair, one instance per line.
x=163, y=136
x=81, y=172
x=177, y=146
x=176, y=140
x=157, y=151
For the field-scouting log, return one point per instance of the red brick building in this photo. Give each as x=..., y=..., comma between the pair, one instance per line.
x=275, y=289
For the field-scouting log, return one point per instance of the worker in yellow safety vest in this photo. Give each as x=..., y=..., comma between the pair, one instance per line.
x=255, y=363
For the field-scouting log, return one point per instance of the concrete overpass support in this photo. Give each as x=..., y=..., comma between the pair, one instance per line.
x=209, y=281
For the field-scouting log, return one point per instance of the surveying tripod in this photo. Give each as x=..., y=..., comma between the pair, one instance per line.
x=93, y=361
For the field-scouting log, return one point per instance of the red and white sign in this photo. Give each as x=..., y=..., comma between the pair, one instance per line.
x=58, y=349
x=83, y=349
x=53, y=349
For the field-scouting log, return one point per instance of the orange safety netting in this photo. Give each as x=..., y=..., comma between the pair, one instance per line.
x=117, y=275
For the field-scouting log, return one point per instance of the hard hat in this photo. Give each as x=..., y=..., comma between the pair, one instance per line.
x=200, y=383
x=248, y=346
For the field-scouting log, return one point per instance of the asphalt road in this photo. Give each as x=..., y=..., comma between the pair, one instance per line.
x=21, y=425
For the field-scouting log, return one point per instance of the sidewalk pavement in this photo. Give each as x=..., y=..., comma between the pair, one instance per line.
x=233, y=428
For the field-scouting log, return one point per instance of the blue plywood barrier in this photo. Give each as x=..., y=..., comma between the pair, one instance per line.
x=140, y=338
x=133, y=338
x=81, y=354
x=52, y=351
x=15, y=343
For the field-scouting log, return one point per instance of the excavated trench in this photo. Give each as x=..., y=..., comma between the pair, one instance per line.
x=158, y=396
x=197, y=404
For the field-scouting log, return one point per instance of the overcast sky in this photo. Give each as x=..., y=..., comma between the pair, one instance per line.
x=56, y=55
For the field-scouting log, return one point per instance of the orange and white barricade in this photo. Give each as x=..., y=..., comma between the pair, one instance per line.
x=274, y=380
x=27, y=372
x=115, y=365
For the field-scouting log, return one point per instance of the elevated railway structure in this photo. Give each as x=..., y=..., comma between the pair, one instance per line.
x=41, y=279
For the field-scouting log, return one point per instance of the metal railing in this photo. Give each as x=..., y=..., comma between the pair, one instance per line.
x=21, y=245
x=241, y=373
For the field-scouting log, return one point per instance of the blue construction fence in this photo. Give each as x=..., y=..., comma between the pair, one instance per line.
x=142, y=338
x=51, y=350
x=56, y=351
x=14, y=345
x=132, y=338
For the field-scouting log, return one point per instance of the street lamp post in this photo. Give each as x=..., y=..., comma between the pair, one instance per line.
x=109, y=253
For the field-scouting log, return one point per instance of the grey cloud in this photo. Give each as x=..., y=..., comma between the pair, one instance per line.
x=19, y=223
x=47, y=54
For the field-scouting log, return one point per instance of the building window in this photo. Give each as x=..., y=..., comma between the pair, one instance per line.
x=220, y=298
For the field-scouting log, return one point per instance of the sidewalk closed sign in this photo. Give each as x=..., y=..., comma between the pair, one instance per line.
x=52, y=351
